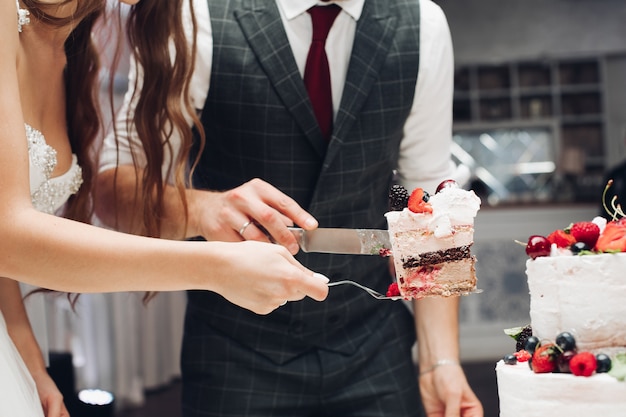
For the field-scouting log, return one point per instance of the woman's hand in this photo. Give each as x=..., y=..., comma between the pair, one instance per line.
x=50, y=396
x=262, y=277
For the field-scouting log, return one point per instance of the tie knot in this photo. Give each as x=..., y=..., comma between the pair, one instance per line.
x=322, y=18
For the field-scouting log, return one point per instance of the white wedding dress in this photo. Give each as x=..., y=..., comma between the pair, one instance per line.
x=18, y=394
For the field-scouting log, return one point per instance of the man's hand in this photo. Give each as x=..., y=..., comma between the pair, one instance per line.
x=446, y=393
x=255, y=210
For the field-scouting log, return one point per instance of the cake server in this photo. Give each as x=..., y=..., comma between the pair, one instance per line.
x=368, y=290
x=343, y=241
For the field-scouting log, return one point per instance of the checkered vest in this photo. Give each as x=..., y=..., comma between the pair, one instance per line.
x=259, y=123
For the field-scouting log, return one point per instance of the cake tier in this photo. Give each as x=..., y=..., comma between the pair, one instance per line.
x=524, y=393
x=580, y=294
x=440, y=279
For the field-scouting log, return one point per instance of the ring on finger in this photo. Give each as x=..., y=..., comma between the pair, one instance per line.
x=284, y=302
x=243, y=228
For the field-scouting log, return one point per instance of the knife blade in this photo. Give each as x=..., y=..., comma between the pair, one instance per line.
x=342, y=241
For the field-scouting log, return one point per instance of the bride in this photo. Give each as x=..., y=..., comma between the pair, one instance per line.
x=48, y=123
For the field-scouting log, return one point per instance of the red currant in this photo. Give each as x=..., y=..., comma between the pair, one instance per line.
x=537, y=246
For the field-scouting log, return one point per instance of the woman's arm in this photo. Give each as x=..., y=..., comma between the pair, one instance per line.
x=65, y=255
x=21, y=333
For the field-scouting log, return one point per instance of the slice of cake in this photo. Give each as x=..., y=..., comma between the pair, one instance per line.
x=431, y=237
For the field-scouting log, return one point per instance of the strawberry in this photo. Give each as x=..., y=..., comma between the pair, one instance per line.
x=417, y=204
x=544, y=359
x=613, y=238
x=586, y=232
x=561, y=238
x=583, y=364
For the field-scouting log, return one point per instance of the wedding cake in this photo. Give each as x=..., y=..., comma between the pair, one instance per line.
x=571, y=359
x=431, y=237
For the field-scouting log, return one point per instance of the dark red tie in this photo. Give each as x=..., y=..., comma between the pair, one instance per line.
x=316, y=72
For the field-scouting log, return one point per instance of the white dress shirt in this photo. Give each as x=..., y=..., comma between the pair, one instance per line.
x=425, y=149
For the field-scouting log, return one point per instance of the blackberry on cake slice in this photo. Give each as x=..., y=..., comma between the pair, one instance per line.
x=398, y=198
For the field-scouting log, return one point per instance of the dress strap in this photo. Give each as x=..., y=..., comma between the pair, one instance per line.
x=22, y=16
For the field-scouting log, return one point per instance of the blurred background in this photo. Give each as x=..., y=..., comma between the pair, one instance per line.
x=539, y=118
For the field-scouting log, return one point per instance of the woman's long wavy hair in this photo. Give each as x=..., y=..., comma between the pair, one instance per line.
x=155, y=31
x=156, y=34
x=161, y=94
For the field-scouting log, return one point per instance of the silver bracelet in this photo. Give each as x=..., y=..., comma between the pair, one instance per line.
x=440, y=362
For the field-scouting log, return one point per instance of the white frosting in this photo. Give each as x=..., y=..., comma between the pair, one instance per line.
x=451, y=223
x=451, y=207
x=585, y=295
x=524, y=393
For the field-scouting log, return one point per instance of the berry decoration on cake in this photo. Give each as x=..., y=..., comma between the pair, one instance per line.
x=586, y=232
x=544, y=359
x=522, y=355
x=398, y=198
x=583, y=364
x=418, y=202
x=558, y=356
x=585, y=237
x=393, y=290
x=520, y=335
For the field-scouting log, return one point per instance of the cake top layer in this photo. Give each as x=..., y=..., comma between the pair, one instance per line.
x=450, y=206
x=598, y=236
x=584, y=238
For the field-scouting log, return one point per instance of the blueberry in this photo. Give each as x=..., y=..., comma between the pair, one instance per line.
x=510, y=359
x=603, y=363
x=566, y=341
x=425, y=197
x=579, y=247
x=531, y=344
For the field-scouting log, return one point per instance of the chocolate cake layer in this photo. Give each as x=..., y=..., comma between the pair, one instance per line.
x=430, y=258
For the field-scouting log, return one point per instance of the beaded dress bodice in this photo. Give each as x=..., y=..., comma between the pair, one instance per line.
x=49, y=193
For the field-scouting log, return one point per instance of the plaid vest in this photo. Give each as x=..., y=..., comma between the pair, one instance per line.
x=259, y=123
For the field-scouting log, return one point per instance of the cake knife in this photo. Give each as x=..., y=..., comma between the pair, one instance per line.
x=343, y=241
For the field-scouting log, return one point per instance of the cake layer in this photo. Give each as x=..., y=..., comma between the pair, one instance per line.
x=444, y=279
x=412, y=242
x=524, y=393
x=584, y=295
x=433, y=258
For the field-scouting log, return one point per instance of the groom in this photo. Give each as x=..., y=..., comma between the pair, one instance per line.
x=389, y=93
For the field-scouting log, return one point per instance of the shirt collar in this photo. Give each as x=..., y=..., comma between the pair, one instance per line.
x=294, y=8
